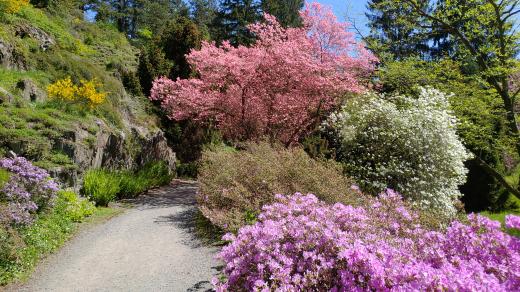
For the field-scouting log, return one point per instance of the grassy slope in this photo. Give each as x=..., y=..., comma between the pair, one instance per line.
x=83, y=50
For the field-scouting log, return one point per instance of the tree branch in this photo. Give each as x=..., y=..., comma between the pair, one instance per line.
x=498, y=176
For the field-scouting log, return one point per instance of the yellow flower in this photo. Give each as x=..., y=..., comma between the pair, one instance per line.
x=12, y=6
x=63, y=90
x=87, y=93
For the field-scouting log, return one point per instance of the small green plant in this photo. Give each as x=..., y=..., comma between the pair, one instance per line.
x=157, y=173
x=4, y=177
x=101, y=186
x=131, y=185
x=74, y=207
x=187, y=170
x=104, y=186
x=153, y=174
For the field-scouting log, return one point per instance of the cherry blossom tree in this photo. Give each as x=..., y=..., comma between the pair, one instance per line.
x=280, y=87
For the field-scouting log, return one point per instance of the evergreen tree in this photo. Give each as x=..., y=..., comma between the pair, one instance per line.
x=204, y=12
x=392, y=37
x=233, y=18
x=152, y=64
x=177, y=40
x=131, y=16
x=286, y=11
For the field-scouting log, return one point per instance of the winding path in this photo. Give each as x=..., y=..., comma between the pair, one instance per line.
x=150, y=247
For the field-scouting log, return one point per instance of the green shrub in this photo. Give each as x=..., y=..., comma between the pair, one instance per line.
x=236, y=184
x=131, y=185
x=188, y=169
x=152, y=174
x=104, y=186
x=101, y=186
x=74, y=207
x=4, y=177
x=155, y=173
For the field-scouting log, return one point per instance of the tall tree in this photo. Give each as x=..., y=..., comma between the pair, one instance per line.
x=280, y=87
x=233, y=18
x=394, y=38
x=483, y=34
x=204, y=12
x=287, y=12
x=165, y=55
x=130, y=16
x=177, y=40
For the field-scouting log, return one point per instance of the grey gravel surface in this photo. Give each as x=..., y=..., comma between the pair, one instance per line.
x=150, y=247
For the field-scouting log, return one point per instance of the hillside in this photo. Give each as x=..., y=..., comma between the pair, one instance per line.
x=41, y=46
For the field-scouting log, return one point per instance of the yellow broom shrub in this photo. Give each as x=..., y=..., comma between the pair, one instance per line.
x=12, y=6
x=86, y=93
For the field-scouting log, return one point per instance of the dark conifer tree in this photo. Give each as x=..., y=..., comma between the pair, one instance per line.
x=286, y=11
x=233, y=18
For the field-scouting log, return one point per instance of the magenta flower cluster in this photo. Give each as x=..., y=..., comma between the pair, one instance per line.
x=302, y=244
x=29, y=189
x=513, y=222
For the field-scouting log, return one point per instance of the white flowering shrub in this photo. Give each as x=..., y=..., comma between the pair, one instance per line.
x=407, y=144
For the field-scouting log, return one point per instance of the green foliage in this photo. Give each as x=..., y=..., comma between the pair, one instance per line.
x=130, y=185
x=4, y=177
x=204, y=13
x=155, y=173
x=74, y=207
x=187, y=169
x=152, y=64
x=151, y=175
x=104, y=186
x=166, y=54
x=131, y=82
x=101, y=186
x=393, y=38
x=233, y=18
x=56, y=27
x=285, y=11
x=236, y=184
x=178, y=38
x=188, y=139
x=32, y=132
x=22, y=248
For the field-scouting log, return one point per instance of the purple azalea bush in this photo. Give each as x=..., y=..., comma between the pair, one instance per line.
x=29, y=189
x=302, y=244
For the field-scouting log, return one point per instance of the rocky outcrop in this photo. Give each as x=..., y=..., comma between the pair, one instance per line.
x=30, y=91
x=111, y=149
x=10, y=58
x=5, y=96
x=44, y=39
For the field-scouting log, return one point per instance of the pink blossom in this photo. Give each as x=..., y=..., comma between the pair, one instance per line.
x=513, y=222
x=279, y=87
x=302, y=244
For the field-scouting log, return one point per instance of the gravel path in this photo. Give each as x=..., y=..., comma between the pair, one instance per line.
x=150, y=247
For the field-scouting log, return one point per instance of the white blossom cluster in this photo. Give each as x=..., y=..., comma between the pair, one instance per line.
x=404, y=143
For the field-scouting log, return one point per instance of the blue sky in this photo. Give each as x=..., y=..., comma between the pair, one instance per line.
x=353, y=9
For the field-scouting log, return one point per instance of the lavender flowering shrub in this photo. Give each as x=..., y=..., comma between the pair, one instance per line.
x=302, y=244
x=28, y=190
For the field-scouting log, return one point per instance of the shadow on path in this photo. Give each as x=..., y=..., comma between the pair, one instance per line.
x=178, y=193
x=153, y=246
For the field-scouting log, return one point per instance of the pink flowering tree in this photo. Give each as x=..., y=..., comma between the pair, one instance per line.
x=280, y=87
